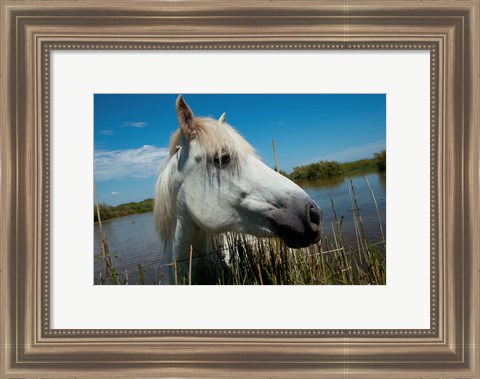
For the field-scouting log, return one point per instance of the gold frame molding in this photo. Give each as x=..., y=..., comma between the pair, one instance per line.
x=32, y=29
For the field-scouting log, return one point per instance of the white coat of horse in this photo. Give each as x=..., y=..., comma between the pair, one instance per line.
x=213, y=182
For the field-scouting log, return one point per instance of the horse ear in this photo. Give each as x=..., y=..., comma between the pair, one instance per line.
x=223, y=118
x=185, y=118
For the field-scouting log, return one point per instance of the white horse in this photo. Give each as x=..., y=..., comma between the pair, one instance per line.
x=213, y=182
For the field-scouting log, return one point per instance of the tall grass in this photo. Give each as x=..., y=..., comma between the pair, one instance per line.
x=269, y=261
x=257, y=261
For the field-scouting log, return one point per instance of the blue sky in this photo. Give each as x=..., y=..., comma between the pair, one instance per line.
x=132, y=132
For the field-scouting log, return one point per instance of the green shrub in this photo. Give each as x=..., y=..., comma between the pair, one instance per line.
x=317, y=171
x=107, y=211
x=381, y=160
x=327, y=170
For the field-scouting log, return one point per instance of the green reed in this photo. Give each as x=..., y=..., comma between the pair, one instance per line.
x=264, y=261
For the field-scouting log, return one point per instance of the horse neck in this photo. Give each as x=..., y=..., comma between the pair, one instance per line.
x=187, y=235
x=201, y=243
x=179, y=251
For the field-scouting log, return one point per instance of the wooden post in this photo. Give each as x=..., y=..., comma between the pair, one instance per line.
x=275, y=154
x=175, y=271
x=126, y=277
x=190, y=267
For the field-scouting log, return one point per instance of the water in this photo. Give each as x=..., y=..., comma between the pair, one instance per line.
x=339, y=191
x=135, y=242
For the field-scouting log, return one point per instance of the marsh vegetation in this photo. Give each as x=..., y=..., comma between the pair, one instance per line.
x=352, y=249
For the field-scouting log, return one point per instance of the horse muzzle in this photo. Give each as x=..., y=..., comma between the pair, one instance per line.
x=300, y=224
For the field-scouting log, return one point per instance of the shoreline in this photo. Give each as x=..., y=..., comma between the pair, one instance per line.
x=125, y=215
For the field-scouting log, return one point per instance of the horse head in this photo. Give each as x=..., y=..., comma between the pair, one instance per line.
x=214, y=182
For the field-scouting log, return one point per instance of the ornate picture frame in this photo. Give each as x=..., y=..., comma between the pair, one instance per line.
x=32, y=30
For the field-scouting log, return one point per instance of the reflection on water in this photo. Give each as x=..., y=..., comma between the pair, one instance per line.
x=134, y=241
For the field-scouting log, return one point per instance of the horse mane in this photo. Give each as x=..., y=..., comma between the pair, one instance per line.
x=164, y=210
x=214, y=137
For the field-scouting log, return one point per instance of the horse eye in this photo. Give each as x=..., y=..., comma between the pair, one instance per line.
x=221, y=160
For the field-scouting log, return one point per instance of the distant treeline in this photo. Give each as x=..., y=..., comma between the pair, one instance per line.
x=325, y=170
x=107, y=211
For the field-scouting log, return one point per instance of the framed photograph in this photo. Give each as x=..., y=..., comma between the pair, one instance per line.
x=210, y=216
x=246, y=165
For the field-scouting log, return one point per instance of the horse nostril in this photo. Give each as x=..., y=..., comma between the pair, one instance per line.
x=314, y=214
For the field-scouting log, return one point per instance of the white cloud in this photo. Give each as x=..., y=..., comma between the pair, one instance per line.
x=136, y=124
x=353, y=153
x=114, y=193
x=132, y=163
x=107, y=132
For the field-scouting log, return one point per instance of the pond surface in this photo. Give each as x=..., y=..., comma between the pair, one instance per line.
x=343, y=200
x=135, y=242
